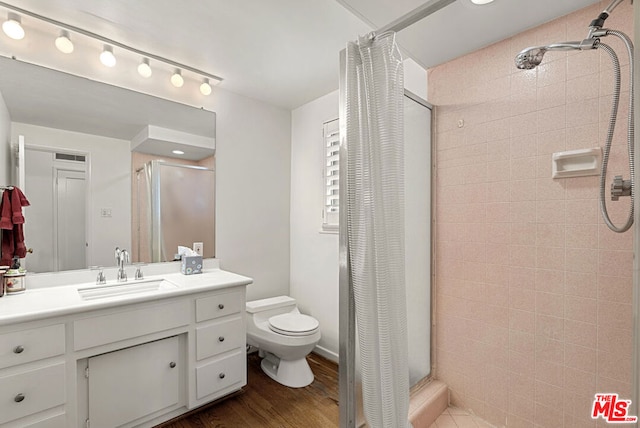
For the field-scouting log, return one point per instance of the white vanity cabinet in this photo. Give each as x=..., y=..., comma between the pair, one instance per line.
x=135, y=364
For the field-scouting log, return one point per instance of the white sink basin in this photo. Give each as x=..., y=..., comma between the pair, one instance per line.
x=119, y=289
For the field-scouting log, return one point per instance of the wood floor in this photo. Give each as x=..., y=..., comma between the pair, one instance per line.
x=265, y=403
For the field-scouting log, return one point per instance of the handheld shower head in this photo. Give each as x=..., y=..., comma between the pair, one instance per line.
x=532, y=57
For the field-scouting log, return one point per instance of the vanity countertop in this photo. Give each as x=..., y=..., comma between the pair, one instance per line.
x=46, y=302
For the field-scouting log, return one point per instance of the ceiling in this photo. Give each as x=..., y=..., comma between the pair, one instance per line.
x=285, y=52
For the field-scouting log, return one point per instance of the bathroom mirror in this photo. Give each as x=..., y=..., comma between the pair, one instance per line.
x=73, y=119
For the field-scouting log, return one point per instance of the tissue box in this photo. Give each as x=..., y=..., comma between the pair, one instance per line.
x=191, y=265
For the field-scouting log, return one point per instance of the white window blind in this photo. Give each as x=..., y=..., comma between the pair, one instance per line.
x=331, y=176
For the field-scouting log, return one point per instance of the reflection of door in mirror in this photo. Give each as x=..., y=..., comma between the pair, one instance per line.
x=55, y=224
x=70, y=227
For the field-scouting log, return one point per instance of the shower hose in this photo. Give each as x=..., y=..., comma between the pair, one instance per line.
x=612, y=125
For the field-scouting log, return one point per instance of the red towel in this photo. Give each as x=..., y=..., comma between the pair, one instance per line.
x=6, y=247
x=5, y=212
x=11, y=220
x=18, y=200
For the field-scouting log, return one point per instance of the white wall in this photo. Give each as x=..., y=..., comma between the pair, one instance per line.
x=110, y=161
x=253, y=175
x=415, y=78
x=5, y=140
x=314, y=255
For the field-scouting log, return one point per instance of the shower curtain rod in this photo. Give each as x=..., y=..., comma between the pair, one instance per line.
x=414, y=16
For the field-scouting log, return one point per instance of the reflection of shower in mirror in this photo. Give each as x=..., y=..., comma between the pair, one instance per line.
x=175, y=206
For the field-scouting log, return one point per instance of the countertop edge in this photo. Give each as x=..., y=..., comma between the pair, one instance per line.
x=76, y=305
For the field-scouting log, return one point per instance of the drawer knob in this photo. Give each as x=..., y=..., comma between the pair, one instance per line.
x=172, y=364
x=221, y=375
x=220, y=306
x=18, y=398
x=221, y=339
x=18, y=349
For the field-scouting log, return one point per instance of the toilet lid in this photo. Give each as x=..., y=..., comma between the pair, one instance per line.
x=293, y=324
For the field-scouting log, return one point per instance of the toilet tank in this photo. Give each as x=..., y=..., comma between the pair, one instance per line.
x=273, y=305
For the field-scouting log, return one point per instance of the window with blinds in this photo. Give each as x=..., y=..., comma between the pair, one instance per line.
x=331, y=176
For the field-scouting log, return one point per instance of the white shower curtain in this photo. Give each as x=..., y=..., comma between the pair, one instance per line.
x=375, y=224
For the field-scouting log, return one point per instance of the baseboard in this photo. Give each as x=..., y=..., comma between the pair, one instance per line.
x=324, y=352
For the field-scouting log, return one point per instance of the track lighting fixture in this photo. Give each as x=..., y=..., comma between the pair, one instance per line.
x=64, y=43
x=176, y=79
x=88, y=40
x=107, y=57
x=205, y=87
x=12, y=27
x=144, y=69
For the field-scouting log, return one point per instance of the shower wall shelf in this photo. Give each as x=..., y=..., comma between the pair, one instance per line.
x=576, y=163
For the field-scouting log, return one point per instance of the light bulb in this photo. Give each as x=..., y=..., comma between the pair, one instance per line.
x=481, y=1
x=205, y=87
x=64, y=43
x=12, y=27
x=107, y=58
x=144, y=69
x=177, y=80
x=177, y=152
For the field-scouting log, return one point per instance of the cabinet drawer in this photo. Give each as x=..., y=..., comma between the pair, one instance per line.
x=220, y=305
x=90, y=332
x=219, y=337
x=218, y=375
x=30, y=345
x=39, y=389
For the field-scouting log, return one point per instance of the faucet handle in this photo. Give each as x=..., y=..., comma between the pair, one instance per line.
x=100, y=279
x=139, y=274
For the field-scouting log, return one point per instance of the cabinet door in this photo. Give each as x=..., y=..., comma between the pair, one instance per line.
x=132, y=383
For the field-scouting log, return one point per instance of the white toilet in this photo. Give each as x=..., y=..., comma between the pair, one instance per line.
x=284, y=338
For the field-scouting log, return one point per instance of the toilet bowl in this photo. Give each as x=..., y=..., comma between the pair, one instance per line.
x=284, y=337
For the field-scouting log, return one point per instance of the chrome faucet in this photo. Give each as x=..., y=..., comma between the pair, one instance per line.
x=139, y=275
x=100, y=279
x=122, y=257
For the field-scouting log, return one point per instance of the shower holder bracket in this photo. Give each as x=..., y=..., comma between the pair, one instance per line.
x=620, y=187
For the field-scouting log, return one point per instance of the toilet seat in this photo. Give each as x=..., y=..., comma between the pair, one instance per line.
x=293, y=324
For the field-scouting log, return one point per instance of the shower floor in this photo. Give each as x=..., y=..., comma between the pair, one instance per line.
x=454, y=417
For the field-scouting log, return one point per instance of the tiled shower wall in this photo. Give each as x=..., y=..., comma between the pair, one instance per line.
x=533, y=292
